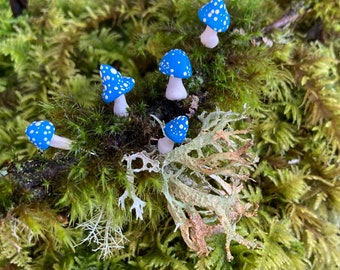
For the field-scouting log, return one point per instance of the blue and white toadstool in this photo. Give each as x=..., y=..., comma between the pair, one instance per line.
x=175, y=131
x=41, y=134
x=115, y=88
x=216, y=18
x=175, y=64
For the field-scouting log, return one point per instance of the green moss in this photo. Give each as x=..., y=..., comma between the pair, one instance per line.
x=288, y=76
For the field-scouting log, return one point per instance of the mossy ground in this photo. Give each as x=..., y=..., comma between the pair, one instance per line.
x=49, y=61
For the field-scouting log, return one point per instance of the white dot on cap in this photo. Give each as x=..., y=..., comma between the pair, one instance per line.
x=185, y=73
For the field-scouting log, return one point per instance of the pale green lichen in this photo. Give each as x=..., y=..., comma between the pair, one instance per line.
x=202, y=181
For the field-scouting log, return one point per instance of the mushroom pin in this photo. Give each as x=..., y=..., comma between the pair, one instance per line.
x=175, y=131
x=175, y=64
x=115, y=88
x=215, y=15
x=41, y=134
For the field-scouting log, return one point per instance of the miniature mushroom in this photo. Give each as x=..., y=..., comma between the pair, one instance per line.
x=217, y=19
x=115, y=88
x=41, y=134
x=175, y=64
x=175, y=131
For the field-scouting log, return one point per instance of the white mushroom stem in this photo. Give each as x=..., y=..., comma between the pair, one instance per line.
x=175, y=89
x=165, y=145
x=60, y=142
x=209, y=38
x=120, y=106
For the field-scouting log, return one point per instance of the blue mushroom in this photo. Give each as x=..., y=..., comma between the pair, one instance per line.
x=175, y=131
x=115, y=88
x=41, y=134
x=216, y=18
x=175, y=64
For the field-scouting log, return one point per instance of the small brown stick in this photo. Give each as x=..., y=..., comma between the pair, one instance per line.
x=288, y=18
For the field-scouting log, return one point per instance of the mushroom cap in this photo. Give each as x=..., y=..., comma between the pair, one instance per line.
x=215, y=15
x=114, y=83
x=176, y=63
x=176, y=129
x=40, y=133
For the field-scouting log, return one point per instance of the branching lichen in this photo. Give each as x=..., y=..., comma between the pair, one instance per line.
x=202, y=181
x=102, y=232
x=148, y=164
